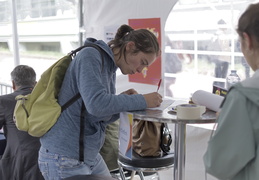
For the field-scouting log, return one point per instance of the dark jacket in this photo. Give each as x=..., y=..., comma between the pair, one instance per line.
x=20, y=158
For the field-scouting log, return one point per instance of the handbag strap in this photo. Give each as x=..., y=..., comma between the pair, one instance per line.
x=166, y=138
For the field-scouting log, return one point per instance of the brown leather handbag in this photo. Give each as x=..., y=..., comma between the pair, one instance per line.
x=150, y=138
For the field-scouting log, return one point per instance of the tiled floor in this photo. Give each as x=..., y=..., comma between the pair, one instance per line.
x=168, y=175
x=162, y=175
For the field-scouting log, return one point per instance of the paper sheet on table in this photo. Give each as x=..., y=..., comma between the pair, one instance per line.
x=210, y=100
x=166, y=103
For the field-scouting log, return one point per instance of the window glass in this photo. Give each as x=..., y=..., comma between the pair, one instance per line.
x=46, y=30
x=201, y=46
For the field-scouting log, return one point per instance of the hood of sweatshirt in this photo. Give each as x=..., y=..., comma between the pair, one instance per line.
x=250, y=88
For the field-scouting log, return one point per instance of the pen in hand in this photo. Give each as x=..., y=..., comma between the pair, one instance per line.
x=158, y=86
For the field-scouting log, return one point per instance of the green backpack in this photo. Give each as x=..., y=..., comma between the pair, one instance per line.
x=37, y=112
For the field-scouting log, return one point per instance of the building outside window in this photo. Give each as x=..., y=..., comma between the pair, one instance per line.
x=202, y=46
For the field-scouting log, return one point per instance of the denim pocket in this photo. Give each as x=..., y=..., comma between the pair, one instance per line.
x=66, y=162
x=70, y=167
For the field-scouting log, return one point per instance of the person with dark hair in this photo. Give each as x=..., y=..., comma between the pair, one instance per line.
x=232, y=152
x=20, y=158
x=130, y=51
x=221, y=43
x=173, y=64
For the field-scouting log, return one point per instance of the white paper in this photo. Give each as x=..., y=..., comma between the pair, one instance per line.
x=166, y=103
x=210, y=100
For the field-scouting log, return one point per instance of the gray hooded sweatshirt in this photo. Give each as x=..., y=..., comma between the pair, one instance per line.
x=96, y=83
x=233, y=152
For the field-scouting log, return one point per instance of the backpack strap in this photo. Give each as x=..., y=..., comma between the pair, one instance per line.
x=82, y=131
x=73, y=53
x=77, y=96
x=70, y=102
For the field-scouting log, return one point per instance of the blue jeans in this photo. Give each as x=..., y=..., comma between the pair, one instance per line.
x=57, y=167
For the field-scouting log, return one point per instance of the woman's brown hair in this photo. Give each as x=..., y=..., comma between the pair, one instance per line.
x=145, y=41
x=249, y=23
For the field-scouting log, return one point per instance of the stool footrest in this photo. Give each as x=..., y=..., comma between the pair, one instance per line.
x=147, y=162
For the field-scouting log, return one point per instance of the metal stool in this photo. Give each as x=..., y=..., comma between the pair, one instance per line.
x=144, y=164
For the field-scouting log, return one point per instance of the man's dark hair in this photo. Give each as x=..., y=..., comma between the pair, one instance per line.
x=23, y=75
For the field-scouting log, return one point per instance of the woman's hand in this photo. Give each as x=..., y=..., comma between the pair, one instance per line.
x=153, y=99
x=130, y=92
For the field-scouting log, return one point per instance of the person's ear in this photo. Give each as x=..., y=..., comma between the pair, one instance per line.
x=13, y=85
x=247, y=41
x=130, y=46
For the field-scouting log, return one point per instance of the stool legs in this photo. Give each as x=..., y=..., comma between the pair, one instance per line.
x=122, y=173
x=132, y=175
x=140, y=173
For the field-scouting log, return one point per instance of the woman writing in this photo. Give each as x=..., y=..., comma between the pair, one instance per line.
x=130, y=51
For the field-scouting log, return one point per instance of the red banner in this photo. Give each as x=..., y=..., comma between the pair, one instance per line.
x=152, y=74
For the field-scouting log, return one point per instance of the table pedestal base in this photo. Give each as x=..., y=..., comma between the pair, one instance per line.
x=180, y=149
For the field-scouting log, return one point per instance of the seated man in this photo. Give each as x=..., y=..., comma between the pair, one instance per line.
x=2, y=143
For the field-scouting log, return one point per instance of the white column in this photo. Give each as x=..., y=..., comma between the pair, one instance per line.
x=15, y=34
